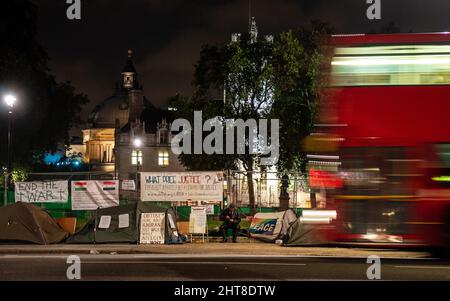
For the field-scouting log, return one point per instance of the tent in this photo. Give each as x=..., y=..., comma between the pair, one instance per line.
x=120, y=224
x=269, y=227
x=314, y=227
x=300, y=234
x=25, y=222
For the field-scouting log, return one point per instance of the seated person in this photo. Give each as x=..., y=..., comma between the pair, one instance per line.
x=231, y=219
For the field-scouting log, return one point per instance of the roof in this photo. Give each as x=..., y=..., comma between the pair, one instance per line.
x=110, y=109
x=129, y=67
x=151, y=116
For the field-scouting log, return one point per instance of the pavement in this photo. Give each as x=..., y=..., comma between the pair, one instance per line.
x=212, y=249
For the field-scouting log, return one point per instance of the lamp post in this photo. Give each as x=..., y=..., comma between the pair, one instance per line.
x=9, y=100
x=137, y=142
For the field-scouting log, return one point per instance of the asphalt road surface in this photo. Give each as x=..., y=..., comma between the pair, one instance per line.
x=226, y=267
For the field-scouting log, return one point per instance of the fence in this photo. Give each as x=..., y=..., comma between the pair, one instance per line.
x=268, y=187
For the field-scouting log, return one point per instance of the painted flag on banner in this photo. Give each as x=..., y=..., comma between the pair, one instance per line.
x=80, y=186
x=111, y=185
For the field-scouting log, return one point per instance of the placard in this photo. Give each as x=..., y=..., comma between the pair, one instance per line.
x=152, y=228
x=197, y=220
x=128, y=185
x=90, y=195
x=105, y=222
x=209, y=209
x=42, y=192
x=124, y=220
x=181, y=186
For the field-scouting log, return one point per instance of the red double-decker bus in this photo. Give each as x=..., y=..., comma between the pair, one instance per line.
x=384, y=134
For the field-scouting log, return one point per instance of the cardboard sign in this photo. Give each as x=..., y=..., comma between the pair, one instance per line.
x=42, y=192
x=90, y=195
x=181, y=186
x=152, y=228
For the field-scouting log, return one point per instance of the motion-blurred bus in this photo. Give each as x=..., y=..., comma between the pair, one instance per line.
x=381, y=147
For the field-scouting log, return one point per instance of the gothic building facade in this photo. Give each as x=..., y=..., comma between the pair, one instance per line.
x=126, y=134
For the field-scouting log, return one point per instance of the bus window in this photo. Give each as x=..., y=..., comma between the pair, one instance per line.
x=391, y=65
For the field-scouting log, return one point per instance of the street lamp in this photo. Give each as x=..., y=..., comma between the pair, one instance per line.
x=137, y=142
x=9, y=100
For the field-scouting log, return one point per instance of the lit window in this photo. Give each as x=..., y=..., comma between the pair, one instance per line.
x=163, y=158
x=136, y=156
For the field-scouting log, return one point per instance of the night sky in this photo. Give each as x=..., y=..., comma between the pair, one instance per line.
x=166, y=35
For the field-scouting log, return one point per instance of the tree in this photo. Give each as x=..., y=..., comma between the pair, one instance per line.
x=243, y=73
x=47, y=109
x=259, y=80
x=299, y=59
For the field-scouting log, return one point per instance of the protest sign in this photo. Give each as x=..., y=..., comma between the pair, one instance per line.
x=42, y=192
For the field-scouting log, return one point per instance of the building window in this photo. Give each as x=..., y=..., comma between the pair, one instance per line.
x=163, y=158
x=163, y=137
x=136, y=156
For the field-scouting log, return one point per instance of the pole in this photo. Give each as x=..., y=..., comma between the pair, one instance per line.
x=295, y=191
x=9, y=166
x=5, y=192
x=137, y=173
x=9, y=141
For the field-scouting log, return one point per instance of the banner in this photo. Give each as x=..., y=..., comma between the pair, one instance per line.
x=271, y=226
x=181, y=186
x=152, y=228
x=90, y=195
x=42, y=192
x=267, y=226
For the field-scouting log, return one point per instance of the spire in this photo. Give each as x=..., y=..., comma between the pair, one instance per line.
x=129, y=76
x=129, y=67
x=253, y=31
x=249, y=12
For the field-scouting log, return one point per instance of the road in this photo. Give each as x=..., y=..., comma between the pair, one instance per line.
x=217, y=267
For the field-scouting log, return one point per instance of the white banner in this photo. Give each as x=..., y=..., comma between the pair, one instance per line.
x=152, y=228
x=90, y=195
x=42, y=192
x=181, y=186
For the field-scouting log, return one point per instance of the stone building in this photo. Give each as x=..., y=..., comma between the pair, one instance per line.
x=121, y=120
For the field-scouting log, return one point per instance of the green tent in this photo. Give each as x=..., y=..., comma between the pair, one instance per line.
x=122, y=225
x=25, y=222
x=300, y=234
